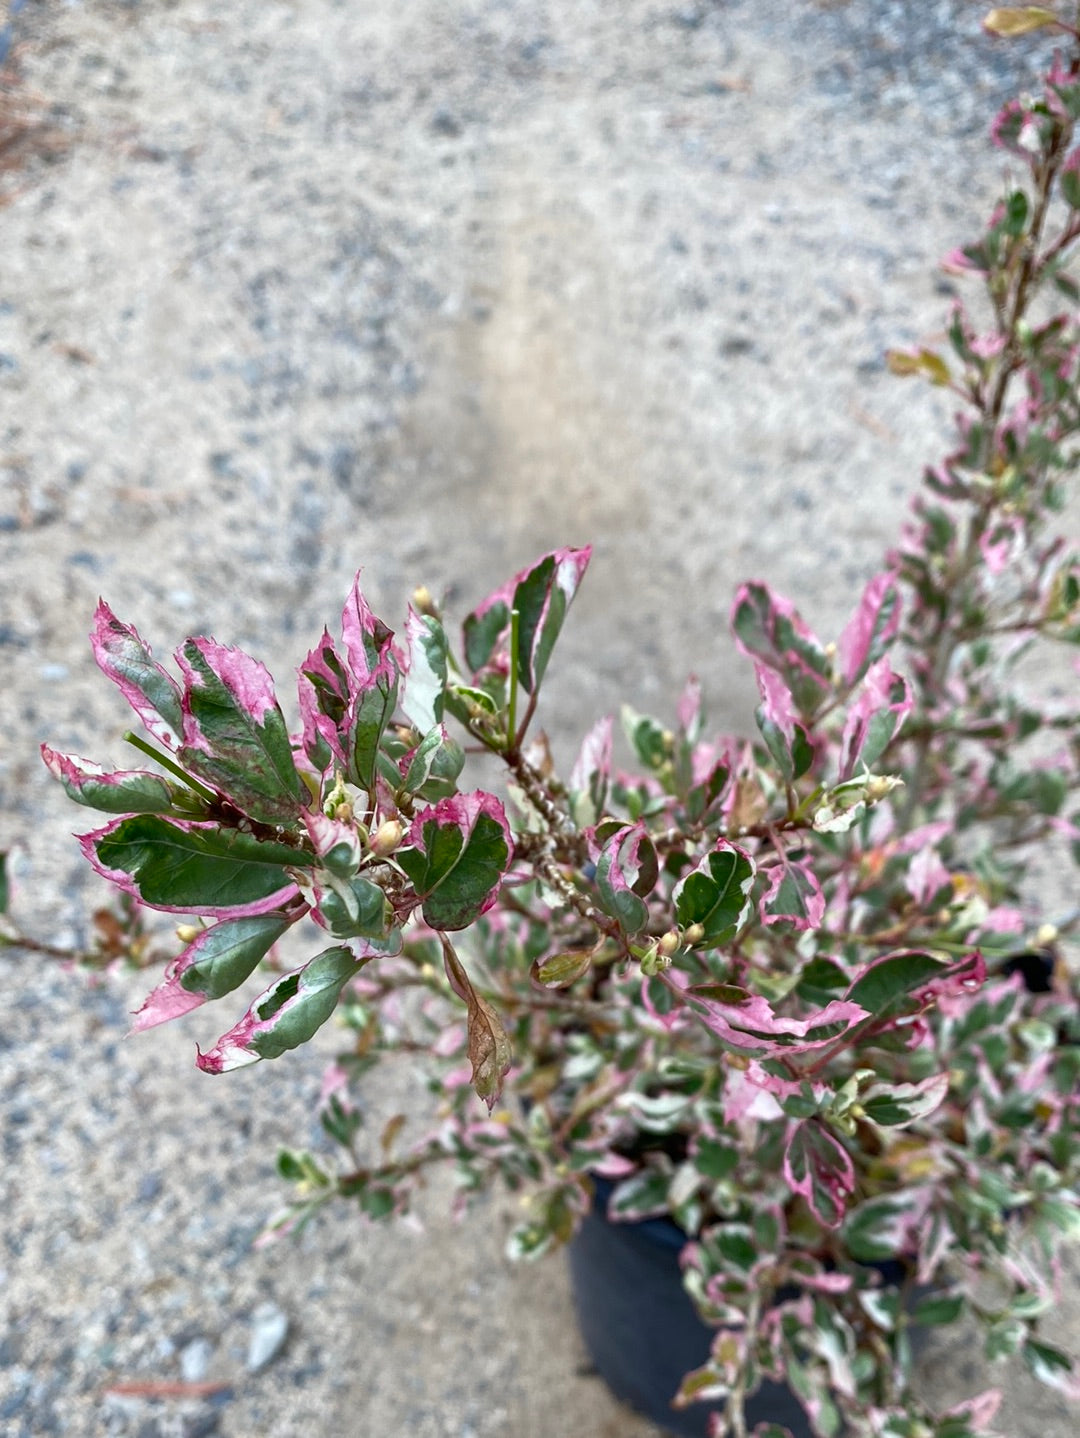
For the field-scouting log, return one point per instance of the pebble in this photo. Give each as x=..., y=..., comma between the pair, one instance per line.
x=195, y=1360
x=269, y=1329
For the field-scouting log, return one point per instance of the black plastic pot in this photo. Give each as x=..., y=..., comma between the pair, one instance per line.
x=642, y=1331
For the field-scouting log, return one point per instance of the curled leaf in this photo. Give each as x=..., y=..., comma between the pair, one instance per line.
x=489, y=1047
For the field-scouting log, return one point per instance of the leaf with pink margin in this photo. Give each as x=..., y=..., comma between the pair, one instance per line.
x=488, y=1046
x=289, y=1013
x=875, y=717
x=129, y=791
x=374, y=670
x=323, y=692
x=125, y=659
x=793, y=895
x=748, y=1023
x=194, y=868
x=819, y=1167
x=541, y=594
x=235, y=737
x=212, y=965
x=336, y=843
x=768, y=627
x=785, y=738
x=980, y=1410
x=871, y=629
x=460, y=848
x=627, y=869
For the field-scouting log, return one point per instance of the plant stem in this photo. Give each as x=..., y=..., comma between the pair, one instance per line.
x=511, y=719
x=138, y=742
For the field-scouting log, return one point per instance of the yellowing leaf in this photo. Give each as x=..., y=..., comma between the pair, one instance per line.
x=925, y=362
x=1010, y=20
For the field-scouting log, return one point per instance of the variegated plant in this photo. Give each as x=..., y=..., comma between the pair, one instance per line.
x=792, y=991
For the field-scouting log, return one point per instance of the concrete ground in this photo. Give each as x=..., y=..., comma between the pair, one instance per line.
x=426, y=288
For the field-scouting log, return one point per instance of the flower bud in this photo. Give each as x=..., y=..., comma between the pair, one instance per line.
x=694, y=934
x=188, y=933
x=387, y=837
x=668, y=943
x=422, y=601
x=879, y=785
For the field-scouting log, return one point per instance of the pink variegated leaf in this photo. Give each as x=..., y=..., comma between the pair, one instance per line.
x=627, y=868
x=135, y=791
x=769, y=628
x=793, y=895
x=875, y=717
x=323, y=690
x=151, y=692
x=785, y=738
x=195, y=868
x=592, y=769
x=980, y=1410
x=749, y=1024
x=871, y=629
x=541, y=595
x=374, y=671
x=926, y=876
x=212, y=965
x=336, y=843
x=234, y=733
x=290, y=1011
x=459, y=850
x=819, y=1167
x=909, y=980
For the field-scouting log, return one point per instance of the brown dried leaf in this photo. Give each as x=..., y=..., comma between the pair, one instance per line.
x=489, y=1047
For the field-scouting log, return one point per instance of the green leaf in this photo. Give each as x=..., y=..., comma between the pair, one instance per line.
x=434, y=766
x=559, y=971
x=873, y=1230
x=289, y=1013
x=642, y=1195
x=716, y=894
x=229, y=952
x=651, y=742
x=893, y=977
x=944, y=1309
x=352, y=908
x=1051, y=1366
x=461, y=849
x=5, y=883
x=193, y=868
x=1016, y=214
x=821, y=981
